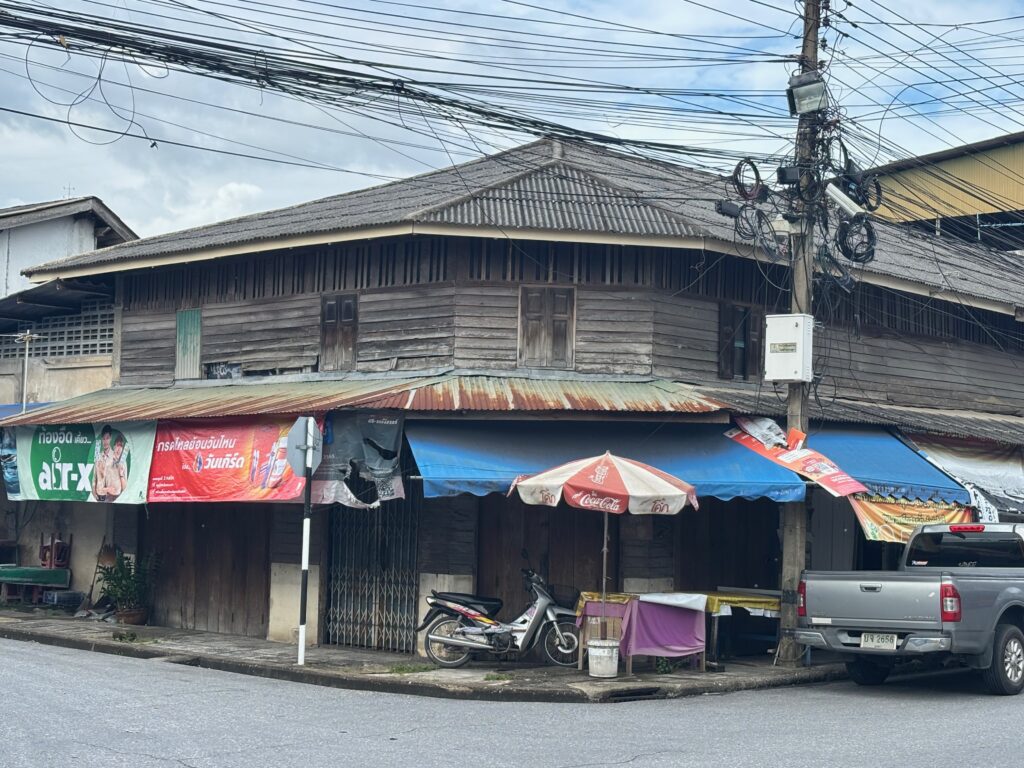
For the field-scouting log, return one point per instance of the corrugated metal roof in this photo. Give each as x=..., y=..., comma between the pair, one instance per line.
x=560, y=197
x=443, y=393
x=1001, y=428
x=424, y=198
x=463, y=393
x=498, y=393
x=568, y=187
x=33, y=213
x=213, y=400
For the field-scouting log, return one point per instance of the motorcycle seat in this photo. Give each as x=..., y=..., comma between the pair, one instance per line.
x=489, y=606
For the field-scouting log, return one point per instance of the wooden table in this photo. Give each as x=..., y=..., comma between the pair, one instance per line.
x=721, y=604
x=660, y=625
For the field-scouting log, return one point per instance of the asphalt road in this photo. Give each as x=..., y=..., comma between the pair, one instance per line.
x=74, y=708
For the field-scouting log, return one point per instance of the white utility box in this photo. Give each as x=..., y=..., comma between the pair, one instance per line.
x=788, y=348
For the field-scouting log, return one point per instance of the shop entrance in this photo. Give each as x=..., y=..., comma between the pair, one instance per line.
x=213, y=570
x=372, y=583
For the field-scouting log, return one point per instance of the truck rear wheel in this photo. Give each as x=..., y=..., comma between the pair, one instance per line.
x=867, y=672
x=1006, y=675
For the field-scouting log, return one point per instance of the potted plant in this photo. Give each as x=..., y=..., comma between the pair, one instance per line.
x=128, y=584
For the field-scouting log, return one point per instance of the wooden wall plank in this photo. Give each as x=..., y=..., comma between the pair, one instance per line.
x=447, y=540
x=614, y=331
x=910, y=371
x=685, y=343
x=148, y=347
x=487, y=327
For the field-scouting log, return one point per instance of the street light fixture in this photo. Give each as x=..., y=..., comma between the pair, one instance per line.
x=806, y=93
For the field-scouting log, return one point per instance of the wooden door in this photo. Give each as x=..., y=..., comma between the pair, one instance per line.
x=339, y=326
x=564, y=546
x=213, y=566
x=728, y=544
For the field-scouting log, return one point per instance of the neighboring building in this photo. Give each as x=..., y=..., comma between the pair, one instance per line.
x=973, y=192
x=41, y=232
x=72, y=322
x=555, y=298
x=70, y=348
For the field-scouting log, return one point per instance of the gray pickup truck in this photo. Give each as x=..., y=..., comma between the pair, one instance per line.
x=959, y=592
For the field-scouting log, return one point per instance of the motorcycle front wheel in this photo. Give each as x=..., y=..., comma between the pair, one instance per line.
x=448, y=656
x=564, y=651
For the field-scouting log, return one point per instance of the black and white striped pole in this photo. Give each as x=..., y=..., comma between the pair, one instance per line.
x=305, y=450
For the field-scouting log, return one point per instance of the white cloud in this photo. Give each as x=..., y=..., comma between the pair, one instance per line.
x=201, y=205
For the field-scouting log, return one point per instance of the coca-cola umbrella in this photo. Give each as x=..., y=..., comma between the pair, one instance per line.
x=609, y=484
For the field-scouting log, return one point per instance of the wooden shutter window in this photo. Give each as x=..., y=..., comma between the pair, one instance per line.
x=188, y=344
x=755, y=343
x=546, y=327
x=561, y=327
x=740, y=341
x=339, y=327
x=726, y=333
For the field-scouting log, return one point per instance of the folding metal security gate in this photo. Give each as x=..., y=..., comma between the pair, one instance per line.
x=373, y=580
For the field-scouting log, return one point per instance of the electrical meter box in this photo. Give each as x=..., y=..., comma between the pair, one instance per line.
x=788, y=347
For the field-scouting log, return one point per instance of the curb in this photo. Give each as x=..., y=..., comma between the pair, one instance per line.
x=412, y=687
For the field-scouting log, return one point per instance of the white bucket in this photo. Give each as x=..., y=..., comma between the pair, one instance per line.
x=604, y=658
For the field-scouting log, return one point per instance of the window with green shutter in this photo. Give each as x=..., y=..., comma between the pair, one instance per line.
x=187, y=361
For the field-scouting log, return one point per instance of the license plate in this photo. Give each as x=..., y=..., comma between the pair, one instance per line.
x=878, y=642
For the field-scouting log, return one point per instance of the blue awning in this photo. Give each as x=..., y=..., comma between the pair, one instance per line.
x=885, y=464
x=12, y=409
x=481, y=457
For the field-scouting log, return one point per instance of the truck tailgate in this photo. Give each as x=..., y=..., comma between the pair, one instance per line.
x=874, y=599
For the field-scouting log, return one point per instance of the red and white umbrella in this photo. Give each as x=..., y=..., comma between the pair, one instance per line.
x=609, y=484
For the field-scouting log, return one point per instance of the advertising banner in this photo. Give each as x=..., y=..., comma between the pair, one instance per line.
x=805, y=462
x=229, y=460
x=102, y=462
x=887, y=520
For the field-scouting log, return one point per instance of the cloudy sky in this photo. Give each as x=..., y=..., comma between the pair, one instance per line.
x=706, y=75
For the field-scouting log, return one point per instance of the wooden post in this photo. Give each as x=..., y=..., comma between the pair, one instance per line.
x=794, y=514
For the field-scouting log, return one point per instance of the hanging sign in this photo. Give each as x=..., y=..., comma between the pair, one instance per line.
x=361, y=444
x=229, y=460
x=101, y=462
x=805, y=462
x=886, y=520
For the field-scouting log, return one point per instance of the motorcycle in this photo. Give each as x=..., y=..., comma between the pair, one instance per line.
x=461, y=624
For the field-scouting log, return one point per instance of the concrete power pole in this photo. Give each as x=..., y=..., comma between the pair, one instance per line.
x=794, y=514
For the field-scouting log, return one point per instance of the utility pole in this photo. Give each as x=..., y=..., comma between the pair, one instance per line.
x=794, y=514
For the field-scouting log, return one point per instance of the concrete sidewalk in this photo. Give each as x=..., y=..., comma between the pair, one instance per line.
x=394, y=673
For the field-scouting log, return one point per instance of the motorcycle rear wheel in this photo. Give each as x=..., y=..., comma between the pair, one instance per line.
x=448, y=656
x=563, y=655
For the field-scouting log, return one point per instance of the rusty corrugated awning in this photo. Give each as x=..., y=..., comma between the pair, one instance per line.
x=439, y=393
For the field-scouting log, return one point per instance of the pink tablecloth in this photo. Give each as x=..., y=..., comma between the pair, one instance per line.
x=652, y=629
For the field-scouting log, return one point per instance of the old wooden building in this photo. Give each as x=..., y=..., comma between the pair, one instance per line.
x=555, y=295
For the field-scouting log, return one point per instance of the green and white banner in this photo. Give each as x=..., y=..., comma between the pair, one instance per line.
x=86, y=462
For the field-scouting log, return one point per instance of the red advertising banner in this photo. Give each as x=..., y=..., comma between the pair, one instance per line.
x=805, y=462
x=223, y=461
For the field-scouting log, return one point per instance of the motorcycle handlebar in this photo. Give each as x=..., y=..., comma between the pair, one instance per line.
x=530, y=577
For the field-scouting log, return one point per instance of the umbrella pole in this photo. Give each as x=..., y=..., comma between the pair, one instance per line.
x=604, y=581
